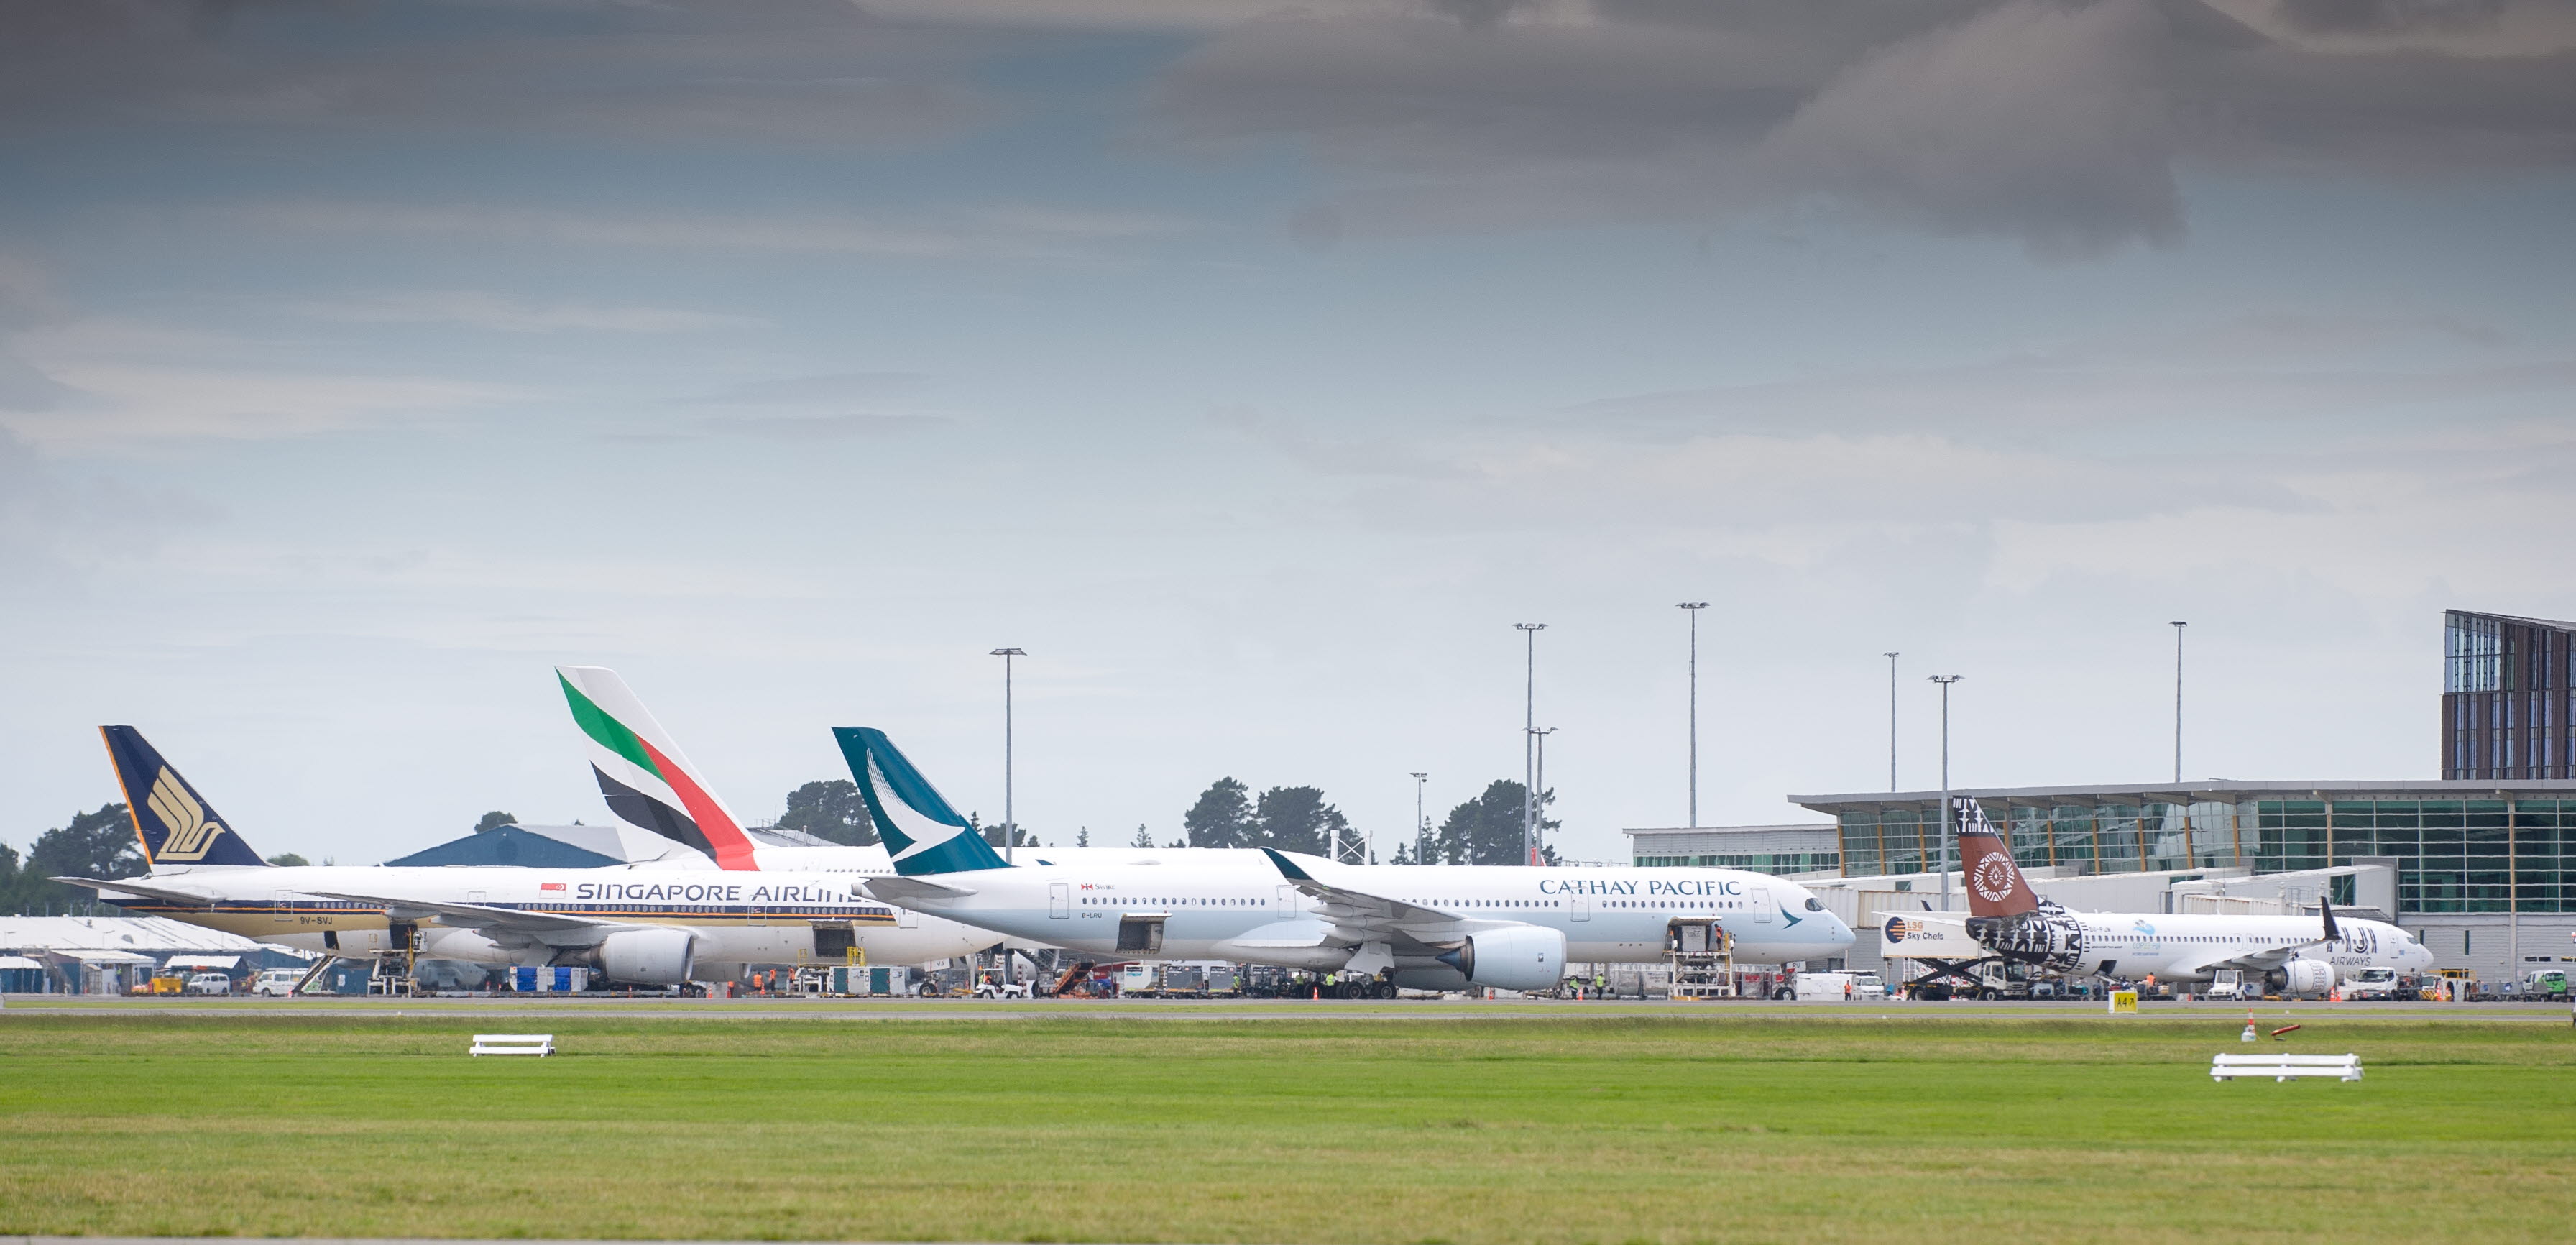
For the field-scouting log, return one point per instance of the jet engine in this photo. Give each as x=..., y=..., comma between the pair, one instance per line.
x=2306, y=977
x=648, y=957
x=1521, y=957
x=2049, y=938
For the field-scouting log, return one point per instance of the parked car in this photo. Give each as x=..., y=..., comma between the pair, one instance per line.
x=210, y=983
x=2371, y=983
x=277, y=982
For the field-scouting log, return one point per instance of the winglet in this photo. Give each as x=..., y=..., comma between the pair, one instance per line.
x=1287, y=866
x=2326, y=906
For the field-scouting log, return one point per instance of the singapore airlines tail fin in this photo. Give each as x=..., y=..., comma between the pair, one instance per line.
x=922, y=833
x=177, y=826
x=1995, y=884
x=641, y=772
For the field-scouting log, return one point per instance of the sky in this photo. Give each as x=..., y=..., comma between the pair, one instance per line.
x=1255, y=367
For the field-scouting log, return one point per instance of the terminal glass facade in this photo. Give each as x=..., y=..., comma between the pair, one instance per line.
x=2507, y=700
x=2452, y=855
x=1752, y=862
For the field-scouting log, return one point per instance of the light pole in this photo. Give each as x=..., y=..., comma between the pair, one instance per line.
x=1421, y=824
x=1693, y=608
x=1891, y=722
x=1529, y=722
x=1945, y=680
x=2178, y=626
x=1010, y=820
x=1540, y=738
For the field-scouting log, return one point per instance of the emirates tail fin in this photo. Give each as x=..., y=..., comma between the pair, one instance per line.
x=646, y=781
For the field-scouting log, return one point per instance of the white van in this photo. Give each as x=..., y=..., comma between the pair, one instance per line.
x=210, y=983
x=278, y=982
x=1837, y=988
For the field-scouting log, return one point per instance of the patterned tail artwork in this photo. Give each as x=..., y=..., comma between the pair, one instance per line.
x=647, y=782
x=1995, y=884
x=176, y=824
x=921, y=831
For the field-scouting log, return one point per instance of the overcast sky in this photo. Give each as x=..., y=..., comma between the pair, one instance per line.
x=1256, y=367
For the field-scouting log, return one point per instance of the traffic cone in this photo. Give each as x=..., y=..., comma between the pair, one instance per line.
x=2250, y=1035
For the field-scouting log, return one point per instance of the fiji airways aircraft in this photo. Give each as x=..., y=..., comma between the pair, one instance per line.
x=656, y=924
x=2293, y=954
x=1513, y=928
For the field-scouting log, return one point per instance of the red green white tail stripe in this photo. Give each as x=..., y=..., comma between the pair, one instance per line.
x=641, y=773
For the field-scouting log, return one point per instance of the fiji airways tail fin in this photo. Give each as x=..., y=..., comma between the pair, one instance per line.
x=647, y=782
x=921, y=832
x=176, y=825
x=1995, y=884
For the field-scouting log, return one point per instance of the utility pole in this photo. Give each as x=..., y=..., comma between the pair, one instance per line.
x=1421, y=824
x=1693, y=608
x=1948, y=821
x=2178, y=626
x=1891, y=722
x=1529, y=765
x=1010, y=820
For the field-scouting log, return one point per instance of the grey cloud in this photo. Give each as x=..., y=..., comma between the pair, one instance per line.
x=2059, y=123
x=807, y=71
x=822, y=427
x=2388, y=15
x=830, y=388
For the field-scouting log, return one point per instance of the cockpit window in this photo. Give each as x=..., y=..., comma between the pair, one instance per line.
x=1813, y=905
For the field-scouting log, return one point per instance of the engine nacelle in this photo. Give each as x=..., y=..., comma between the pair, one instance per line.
x=2306, y=977
x=1522, y=957
x=648, y=957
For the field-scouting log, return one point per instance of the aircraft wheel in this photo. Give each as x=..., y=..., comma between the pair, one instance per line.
x=1386, y=989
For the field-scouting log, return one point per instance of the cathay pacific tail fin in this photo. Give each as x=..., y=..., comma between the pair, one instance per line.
x=922, y=833
x=646, y=781
x=177, y=826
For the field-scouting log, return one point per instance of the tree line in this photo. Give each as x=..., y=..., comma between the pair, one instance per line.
x=1485, y=830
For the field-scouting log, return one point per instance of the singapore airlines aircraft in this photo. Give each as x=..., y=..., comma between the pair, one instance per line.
x=1427, y=928
x=657, y=924
x=2293, y=954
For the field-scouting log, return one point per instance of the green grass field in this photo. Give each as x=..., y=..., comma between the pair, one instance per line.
x=1439, y=1128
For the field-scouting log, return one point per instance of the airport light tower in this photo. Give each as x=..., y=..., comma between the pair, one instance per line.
x=1010, y=821
x=1421, y=824
x=1538, y=797
x=1529, y=725
x=1891, y=722
x=1693, y=608
x=1948, y=822
x=2178, y=626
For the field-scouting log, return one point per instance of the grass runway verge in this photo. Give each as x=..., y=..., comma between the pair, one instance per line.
x=1573, y=1129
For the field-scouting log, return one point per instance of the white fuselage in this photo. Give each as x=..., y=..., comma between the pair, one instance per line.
x=1244, y=910
x=742, y=919
x=2191, y=946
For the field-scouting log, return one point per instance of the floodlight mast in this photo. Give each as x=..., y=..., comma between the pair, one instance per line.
x=1421, y=824
x=1693, y=608
x=2178, y=627
x=1891, y=722
x=1010, y=820
x=1529, y=764
x=1948, y=820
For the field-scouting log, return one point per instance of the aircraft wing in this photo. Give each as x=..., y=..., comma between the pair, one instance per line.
x=551, y=928
x=2268, y=958
x=128, y=886
x=894, y=889
x=1360, y=917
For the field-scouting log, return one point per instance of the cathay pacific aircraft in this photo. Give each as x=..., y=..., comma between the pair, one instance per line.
x=2292, y=954
x=656, y=924
x=1508, y=927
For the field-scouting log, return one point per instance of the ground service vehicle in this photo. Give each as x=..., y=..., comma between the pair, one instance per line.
x=2229, y=983
x=2371, y=983
x=2545, y=983
x=279, y=982
x=1832, y=988
x=209, y=983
